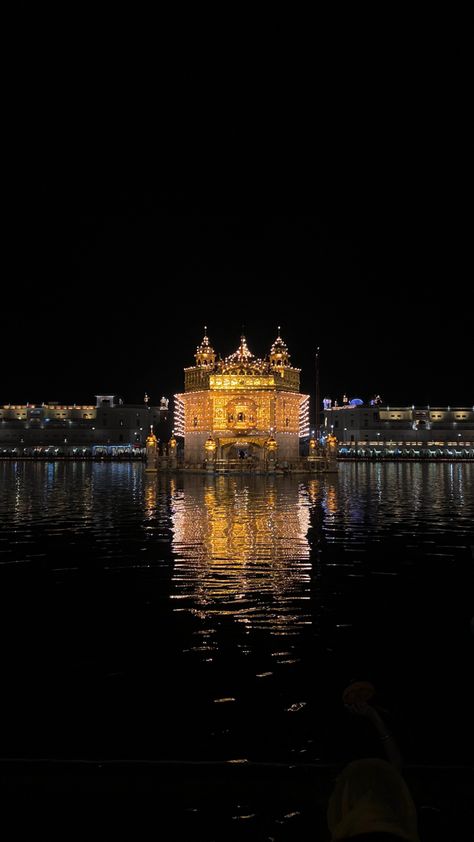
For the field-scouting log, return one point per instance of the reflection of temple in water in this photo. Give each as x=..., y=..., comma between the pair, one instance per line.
x=241, y=547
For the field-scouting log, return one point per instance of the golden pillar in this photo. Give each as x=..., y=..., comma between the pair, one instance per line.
x=172, y=452
x=151, y=452
x=271, y=449
x=331, y=453
x=210, y=453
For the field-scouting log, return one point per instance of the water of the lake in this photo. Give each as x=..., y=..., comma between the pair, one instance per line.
x=221, y=618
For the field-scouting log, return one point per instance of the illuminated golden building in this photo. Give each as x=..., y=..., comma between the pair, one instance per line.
x=241, y=407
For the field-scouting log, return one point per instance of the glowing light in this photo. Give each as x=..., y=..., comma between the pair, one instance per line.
x=210, y=445
x=304, y=417
x=272, y=444
x=239, y=397
x=179, y=415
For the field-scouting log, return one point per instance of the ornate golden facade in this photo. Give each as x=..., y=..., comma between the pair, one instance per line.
x=243, y=404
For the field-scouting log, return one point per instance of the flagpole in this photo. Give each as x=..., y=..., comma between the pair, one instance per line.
x=317, y=393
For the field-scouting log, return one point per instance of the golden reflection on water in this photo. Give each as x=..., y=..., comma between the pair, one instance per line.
x=236, y=538
x=330, y=503
x=229, y=520
x=150, y=497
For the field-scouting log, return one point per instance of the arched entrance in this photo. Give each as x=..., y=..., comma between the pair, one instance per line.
x=242, y=452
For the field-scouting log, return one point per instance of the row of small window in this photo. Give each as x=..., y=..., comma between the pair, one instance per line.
x=457, y=416
x=241, y=417
x=390, y=443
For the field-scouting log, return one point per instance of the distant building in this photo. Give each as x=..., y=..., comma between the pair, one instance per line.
x=241, y=406
x=110, y=425
x=359, y=426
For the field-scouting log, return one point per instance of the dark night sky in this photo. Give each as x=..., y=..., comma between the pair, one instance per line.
x=153, y=196
x=115, y=277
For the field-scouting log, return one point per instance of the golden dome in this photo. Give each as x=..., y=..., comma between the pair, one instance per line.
x=205, y=354
x=242, y=353
x=279, y=344
x=279, y=352
x=205, y=345
x=242, y=361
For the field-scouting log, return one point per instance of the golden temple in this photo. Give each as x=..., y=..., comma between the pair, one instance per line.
x=242, y=409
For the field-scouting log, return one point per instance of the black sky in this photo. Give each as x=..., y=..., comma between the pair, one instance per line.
x=115, y=276
x=155, y=191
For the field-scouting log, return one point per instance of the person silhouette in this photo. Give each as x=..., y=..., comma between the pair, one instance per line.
x=370, y=803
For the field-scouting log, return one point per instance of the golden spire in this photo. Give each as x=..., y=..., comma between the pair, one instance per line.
x=205, y=354
x=279, y=355
x=243, y=352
